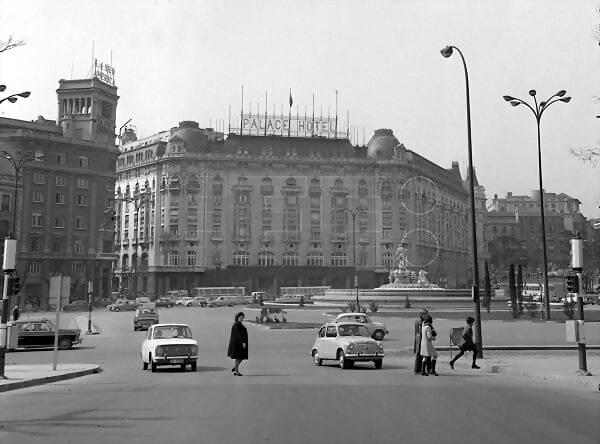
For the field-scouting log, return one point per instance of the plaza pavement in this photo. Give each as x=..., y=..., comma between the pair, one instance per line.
x=509, y=350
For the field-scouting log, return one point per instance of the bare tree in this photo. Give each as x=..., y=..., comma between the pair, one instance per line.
x=11, y=43
x=591, y=155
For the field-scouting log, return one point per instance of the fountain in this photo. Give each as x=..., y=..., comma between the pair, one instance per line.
x=403, y=282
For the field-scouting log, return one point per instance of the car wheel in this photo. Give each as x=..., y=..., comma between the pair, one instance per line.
x=194, y=366
x=378, y=335
x=144, y=365
x=153, y=365
x=117, y=309
x=344, y=364
x=64, y=343
x=317, y=360
x=378, y=363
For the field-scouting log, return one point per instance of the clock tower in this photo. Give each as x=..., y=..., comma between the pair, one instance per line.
x=87, y=107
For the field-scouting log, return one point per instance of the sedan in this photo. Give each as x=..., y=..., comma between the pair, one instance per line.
x=376, y=329
x=346, y=343
x=169, y=344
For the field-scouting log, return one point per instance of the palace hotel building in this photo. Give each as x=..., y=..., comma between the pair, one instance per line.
x=196, y=208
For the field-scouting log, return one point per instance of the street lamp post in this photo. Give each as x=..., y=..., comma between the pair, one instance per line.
x=447, y=52
x=354, y=212
x=11, y=239
x=538, y=111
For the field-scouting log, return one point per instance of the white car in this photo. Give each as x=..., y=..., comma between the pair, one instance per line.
x=376, y=329
x=169, y=344
x=187, y=301
x=347, y=343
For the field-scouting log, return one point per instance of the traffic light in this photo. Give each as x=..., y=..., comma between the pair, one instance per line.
x=16, y=285
x=572, y=282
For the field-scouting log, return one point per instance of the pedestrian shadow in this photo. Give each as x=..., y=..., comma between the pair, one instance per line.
x=264, y=375
x=45, y=349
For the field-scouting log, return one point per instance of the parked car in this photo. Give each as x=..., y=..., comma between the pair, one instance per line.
x=187, y=301
x=169, y=344
x=40, y=333
x=202, y=301
x=221, y=301
x=165, y=302
x=377, y=330
x=142, y=300
x=76, y=306
x=144, y=317
x=346, y=343
x=123, y=305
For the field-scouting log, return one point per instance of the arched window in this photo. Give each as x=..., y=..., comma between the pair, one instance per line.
x=339, y=258
x=125, y=262
x=266, y=258
x=314, y=259
x=388, y=259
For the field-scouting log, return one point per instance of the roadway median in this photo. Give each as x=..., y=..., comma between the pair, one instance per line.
x=22, y=376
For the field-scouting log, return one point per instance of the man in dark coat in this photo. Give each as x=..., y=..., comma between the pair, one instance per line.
x=16, y=313
x=238, y=343
x=417, y=346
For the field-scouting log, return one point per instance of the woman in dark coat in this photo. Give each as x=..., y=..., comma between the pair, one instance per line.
x=238, y=343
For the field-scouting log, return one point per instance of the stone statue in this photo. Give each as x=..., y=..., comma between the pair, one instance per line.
x=422, y=280
x=401, y=257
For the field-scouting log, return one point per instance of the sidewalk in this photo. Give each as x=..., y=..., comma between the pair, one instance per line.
x=559, y=367
x=21, y=376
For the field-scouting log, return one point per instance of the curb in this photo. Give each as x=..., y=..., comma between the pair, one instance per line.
x=48, y=379
x=547, y=377
x=515, y=348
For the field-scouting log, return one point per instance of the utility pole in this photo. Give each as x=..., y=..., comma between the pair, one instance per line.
x=90, y=294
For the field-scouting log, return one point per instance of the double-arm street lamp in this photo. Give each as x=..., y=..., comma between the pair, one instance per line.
x=538, y=110
x=13, y=97
x=354, y=212
x=17, y=165
x=447, y=52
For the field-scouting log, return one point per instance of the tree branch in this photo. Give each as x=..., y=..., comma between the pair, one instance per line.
x=11, y=43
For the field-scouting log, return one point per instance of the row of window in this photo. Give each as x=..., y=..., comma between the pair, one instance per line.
x=60, y=181
x=37, y=221
x=81, y=200
x=36, y=267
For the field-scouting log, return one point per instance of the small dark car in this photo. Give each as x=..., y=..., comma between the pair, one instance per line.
x=40, y=333
x=165, y=302
x=76, y=306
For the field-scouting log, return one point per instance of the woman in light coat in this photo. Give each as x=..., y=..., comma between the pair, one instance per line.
x=428, y=350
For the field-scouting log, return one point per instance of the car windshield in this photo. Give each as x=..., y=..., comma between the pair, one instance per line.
x=172, y=331
x=353, y=330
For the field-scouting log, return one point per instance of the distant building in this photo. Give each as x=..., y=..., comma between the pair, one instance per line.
x=560, y=203
x=64, y=223
x=195, y=209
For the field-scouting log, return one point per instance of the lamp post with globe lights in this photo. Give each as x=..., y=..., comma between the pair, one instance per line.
x=13, y=97
x=538, y=110
x=354, y=212
x=447, y=52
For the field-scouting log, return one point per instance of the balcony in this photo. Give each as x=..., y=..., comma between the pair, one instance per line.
x=240, y=238
x=314, y=190
x=363, y=239
x=125, y=242
x=339, y=237
x=267, y=214
x=217, y=237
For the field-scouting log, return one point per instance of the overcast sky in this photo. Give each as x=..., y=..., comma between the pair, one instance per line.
x=186, y=60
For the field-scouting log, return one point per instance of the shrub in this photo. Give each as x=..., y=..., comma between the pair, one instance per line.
x=373, y=306
x=301, y=303
x=531, y=306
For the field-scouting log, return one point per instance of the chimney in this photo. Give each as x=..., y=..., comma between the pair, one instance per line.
x=129, y=135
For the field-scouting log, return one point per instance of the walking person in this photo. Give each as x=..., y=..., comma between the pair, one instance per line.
x=238, y=343
x=417, y=345
x=428, y=351
x=467, y=344
x=15, y=313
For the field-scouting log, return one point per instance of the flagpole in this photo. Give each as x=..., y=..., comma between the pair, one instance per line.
x=281, y=121
x=290, y=114
x=250, y=128
x=348, y=124
x=266, y=107
x=328, y=120
x=321, y=125
x=336, y=112
x=305, y=125
x=312, y=131
x=297, y=119
x=242, y=112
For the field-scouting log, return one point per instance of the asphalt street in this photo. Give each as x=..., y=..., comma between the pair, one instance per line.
x=283, y=397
